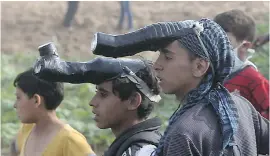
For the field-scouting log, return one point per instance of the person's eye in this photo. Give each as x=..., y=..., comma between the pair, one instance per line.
x=168, y=57
x=103, y=94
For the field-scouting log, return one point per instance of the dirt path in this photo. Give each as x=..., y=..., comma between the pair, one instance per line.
x=26, y=25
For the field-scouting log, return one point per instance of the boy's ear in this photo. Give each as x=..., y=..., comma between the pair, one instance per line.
x=38, y=100
x=134, y=101
x=243, y=50
x=247, y=44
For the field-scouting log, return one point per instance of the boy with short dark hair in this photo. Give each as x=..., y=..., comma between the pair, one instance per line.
x=42, y=132
x=245, y=78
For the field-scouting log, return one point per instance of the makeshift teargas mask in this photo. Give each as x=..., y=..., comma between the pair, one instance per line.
x=150, y=38
x=50, y=67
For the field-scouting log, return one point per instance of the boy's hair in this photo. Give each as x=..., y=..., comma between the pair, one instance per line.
x=123, y=88
x=52, y=92
x=238, y=23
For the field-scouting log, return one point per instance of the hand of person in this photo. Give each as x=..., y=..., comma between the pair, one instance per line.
x=261, y=40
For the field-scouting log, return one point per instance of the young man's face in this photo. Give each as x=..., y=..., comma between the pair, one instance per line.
x=25, y=106
x=174, y=68
x=108, y=108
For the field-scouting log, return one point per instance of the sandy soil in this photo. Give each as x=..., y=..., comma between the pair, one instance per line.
x=26, y=25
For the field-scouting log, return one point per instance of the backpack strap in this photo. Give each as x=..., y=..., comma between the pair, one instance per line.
x=149, y=125
x=146, y=137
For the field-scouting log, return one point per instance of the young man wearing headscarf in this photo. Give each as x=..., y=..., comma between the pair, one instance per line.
x=195, y=58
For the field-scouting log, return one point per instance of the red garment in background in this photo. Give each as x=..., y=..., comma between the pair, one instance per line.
x=253, y=86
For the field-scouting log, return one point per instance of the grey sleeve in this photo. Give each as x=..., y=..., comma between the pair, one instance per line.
x=261, y=126
x=179, y=144
x=263, y=134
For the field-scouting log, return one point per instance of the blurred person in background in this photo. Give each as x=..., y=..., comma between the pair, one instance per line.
x=70, y=14
x=42, y=132
x=125, y=13
x=245, y=78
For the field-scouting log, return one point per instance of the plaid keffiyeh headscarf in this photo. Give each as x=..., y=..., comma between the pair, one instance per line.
x=209, y=41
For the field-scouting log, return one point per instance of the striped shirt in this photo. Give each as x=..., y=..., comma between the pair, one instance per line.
x=198, y=132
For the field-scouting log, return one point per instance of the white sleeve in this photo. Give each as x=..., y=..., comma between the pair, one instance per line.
x=146, y=150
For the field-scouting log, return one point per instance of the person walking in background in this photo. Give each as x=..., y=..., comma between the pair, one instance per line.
x=70, y=14
x=125, y=11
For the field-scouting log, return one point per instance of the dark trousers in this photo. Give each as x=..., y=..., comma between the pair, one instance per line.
x=71, y=11
x=125, y=11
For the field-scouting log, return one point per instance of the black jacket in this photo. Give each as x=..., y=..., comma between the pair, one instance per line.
x=145, y=132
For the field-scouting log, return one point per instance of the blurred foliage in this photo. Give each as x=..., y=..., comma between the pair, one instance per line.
x=261, y=57
x=75, y=109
